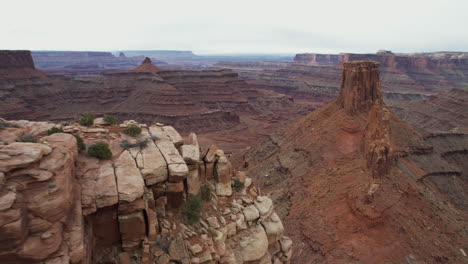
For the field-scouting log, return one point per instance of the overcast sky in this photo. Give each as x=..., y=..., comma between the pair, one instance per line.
x=236, y=26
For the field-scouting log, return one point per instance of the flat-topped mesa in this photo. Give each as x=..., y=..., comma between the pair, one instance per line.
x=360, y=86
x=18, y=64
x=16, y=59
x=146, y=66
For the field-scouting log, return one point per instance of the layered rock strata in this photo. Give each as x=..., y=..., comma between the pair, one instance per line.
x=210, y=101
x=58, y=205
x=354, y=183
x=314, y=79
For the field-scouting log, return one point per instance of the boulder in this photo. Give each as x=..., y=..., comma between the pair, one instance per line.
x=192, y=139
x=253, y=244
x=251, y=213
x=130, y=183
x=190, y=153
x=210, y=154
x=286, y=246
x=213, y=221
x=106, y=186
x=178, y=250
x=273, y=228
x=264, y=206
x=177, y=172
x=169, y=152
x=154, y=167
x=241, y=176
x=158, y=132
x=19, y=155
x=173, y=135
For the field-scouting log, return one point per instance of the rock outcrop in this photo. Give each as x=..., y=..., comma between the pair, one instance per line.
x=354, y=183
x=360, y=87
x=18, y=65
x=59, y=205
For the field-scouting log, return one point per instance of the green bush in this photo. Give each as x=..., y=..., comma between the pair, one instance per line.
x=100, y=150
x=132, y=130
x=54, y=130
x=87, y=120
x=110, y=119
x=205, y=192
x=27, y=138
x=192, y=209
x=238, y=186
x=80, y=143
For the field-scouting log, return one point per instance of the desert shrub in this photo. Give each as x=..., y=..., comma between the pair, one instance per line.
x=87, y=120
x=205, y=192
x=80, y=143
x=142, y=143
x=132, y=130
x=100, y=150
x=27, y=138
x=238, y=185
x=191, y=209
x=125, y=144
x=4, y=125
x=110, y=119
x=54, y=130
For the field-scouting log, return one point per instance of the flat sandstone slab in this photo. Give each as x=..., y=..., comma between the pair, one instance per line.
x=129, y=180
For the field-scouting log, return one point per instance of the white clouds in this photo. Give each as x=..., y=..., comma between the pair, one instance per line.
x=236, y=26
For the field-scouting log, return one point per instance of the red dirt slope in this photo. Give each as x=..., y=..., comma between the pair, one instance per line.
x=358, y=185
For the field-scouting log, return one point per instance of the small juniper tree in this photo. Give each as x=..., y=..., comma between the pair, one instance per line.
x=100, y=150
x=192, y=209
x=87, y=120
x=132, y=130
x=110, y=120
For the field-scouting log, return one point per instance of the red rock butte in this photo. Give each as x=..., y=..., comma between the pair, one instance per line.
x=355, y=184
x=146, y=66
x=360, y=86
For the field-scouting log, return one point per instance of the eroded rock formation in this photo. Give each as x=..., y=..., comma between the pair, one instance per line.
x=314, y=80
x=364, y=186
x=59, y=205
x=209, y=101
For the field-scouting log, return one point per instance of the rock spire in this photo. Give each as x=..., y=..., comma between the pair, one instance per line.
x=360, y=86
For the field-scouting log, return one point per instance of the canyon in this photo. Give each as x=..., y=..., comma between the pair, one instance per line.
x=359, y=185
x=351, y=158
x=208, y=101
x=313, y=80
